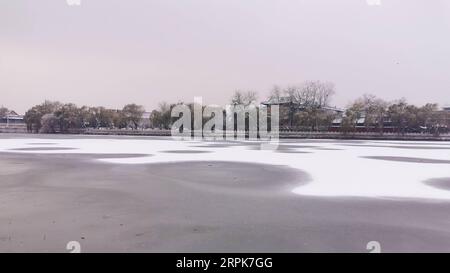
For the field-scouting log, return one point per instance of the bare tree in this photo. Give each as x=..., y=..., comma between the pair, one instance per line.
x=292, y=102
x=69, y=117
x=49, y=124
x=314, y=94
x=161, y=117
x=33, y=116
x=398, y=113
x=353, y=113
x=244, y=98
x=373, y=109
x=133, y=114
x=312, y=97
x=308, y=98
x=275, y=93
x=3, y=112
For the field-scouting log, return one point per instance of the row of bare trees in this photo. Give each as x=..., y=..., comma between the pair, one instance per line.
x=303, y=107
x=51, y=117
x=400, y=116
x=306, y=107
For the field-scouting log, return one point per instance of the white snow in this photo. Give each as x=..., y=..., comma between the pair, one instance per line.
x=340, y=173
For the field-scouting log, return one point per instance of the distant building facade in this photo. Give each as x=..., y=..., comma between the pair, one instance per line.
x=12, y=118
x=12, y=123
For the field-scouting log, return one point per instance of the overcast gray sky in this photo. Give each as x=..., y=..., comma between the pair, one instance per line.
x=110, y=52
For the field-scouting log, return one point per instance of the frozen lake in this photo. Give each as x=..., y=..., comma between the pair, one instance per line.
x=158, y=194
x=335, y=168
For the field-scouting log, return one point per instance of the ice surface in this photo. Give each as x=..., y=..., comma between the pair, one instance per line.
x=340, y=172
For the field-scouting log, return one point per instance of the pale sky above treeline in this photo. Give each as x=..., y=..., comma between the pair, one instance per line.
x=113, y=52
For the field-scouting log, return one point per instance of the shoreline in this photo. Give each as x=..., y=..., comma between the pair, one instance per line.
x=282, y=135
